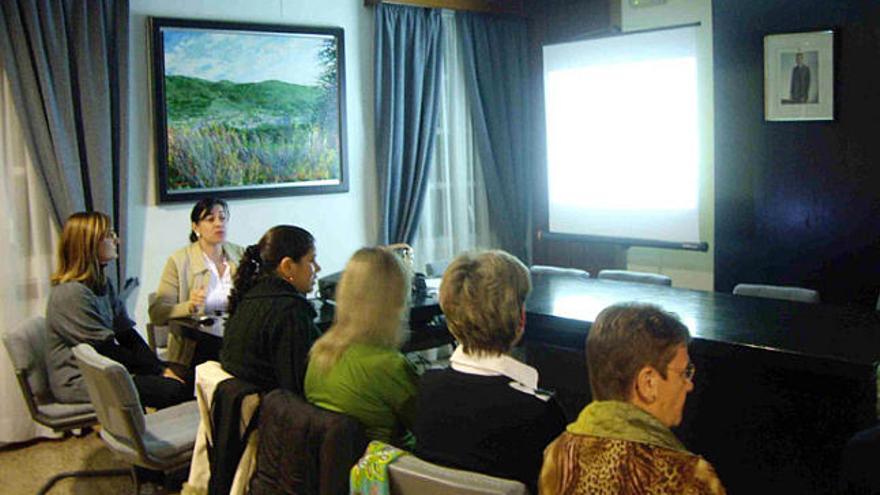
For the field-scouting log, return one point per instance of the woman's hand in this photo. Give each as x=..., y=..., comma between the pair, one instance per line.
x=196, y=300
x=168, y=373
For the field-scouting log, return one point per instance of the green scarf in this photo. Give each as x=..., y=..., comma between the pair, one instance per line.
x=623, y=421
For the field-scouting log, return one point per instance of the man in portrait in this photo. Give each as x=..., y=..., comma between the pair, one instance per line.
x=800, y=80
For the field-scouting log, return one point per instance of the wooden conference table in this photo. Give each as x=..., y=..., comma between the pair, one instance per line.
x=779, y=388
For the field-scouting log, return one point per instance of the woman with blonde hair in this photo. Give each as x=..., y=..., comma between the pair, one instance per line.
x=356, y=367
x=83, y=308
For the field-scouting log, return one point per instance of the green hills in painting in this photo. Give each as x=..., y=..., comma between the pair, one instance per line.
x=191, y=98
x=228, y=135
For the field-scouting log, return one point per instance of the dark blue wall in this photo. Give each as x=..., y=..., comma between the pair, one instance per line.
x=798, y=203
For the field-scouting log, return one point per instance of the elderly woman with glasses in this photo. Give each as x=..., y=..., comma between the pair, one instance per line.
x=83, y=308
x=640, y=375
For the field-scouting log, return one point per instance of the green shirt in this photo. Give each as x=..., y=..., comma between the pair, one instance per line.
x=375, y=385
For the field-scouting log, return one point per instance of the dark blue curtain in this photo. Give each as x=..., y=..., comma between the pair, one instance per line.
x=67, y=62
x=495, y=56
x=408, y=65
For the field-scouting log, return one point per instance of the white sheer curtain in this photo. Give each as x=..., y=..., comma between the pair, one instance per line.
x=27, y=242
x=455, y=213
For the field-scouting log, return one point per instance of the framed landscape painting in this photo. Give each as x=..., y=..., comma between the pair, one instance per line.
x=248, y=110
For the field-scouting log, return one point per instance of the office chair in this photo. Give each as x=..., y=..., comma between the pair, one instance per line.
x=796, y=294
x=409, y=475
x=637, y=277
x=26, y=344
x=161, y=441
x=556, y=270
x=157, y=335
x=208, y=376
x=436, y=268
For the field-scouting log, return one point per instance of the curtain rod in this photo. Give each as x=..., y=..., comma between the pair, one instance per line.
x=514, y=7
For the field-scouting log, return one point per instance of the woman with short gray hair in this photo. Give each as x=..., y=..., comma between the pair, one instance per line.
x=486, y=413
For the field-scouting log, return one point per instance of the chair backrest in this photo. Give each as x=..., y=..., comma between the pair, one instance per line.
x=409, y=475
x=113, y=395
x=436, y=268
x=556, y=270
x=26, y=344
x=637, y=277
x=157, y=335
x=303, y=448
x=797, y=294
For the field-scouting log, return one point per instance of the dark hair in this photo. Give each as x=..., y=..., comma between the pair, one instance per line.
x=625, y=338
x=262, y=259
x=202, y=209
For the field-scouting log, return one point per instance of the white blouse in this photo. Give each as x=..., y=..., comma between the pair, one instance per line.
x=216, y=295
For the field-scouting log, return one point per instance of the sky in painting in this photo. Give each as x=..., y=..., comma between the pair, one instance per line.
x=241, y=56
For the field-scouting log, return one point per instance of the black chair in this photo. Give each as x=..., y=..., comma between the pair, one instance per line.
x=636, y=277
x=26, y=344
x=796, y=294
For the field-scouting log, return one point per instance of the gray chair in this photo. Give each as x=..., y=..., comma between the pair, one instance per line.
x=409, y=475
x=637, y=277
x=157, y=335
x=26, y=344
x=556, y=270
x=436, y=268
x=162, y=441
x=797, y=294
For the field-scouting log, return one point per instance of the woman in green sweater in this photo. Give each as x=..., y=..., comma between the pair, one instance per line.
x=356, y=367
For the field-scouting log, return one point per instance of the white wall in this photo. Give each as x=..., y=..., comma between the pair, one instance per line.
x=687, y=269
x=341, y=223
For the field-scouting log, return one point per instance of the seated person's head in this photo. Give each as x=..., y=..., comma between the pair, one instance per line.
x=88, y=242
x=371, y=303
x=483, y=297
x=637, y=353
x=285, y=251
x=372, y=295
x=209, y=217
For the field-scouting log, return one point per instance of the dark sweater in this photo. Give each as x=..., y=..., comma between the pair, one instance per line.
x=267, y=340
x=481, y=423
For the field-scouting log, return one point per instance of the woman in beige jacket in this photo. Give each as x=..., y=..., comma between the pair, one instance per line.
x=194, y=288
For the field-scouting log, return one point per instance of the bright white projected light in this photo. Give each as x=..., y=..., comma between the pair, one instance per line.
x=622, y=136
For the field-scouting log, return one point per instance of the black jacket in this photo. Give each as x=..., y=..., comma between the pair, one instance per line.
x=304, y=449
x=267, y=340
x=480, y=423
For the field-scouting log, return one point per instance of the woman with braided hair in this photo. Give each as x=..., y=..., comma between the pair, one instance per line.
x=271, y=323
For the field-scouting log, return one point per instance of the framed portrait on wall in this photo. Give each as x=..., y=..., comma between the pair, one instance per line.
x=799, y=76
x=248, y=110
